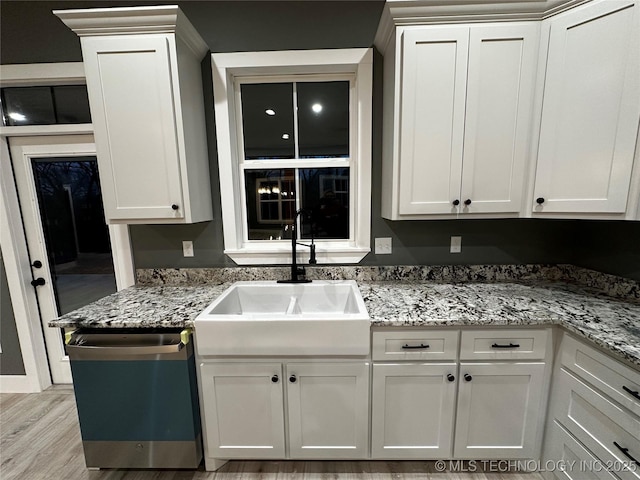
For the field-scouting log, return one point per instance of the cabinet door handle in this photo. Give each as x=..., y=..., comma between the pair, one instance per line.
x=625, y=452
x=174, y=207
x=37, y=264
x=511, y=345
x=38, y=282
x=633, y=393
x=275, y=379
x=450, y=377
x=413, y=347
x=467, y=202
x=456, y=202
x=293, y=379
x=467, y=377
x=540, y=200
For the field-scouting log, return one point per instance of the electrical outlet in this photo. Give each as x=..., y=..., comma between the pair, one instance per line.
x=456, y=245
x=383, y=246
x=187, y=248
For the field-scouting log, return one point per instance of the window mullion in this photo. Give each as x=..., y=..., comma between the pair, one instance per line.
x=295, y=121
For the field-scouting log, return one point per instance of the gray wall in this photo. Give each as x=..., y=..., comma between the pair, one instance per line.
x=31, y=34
x=11, y=357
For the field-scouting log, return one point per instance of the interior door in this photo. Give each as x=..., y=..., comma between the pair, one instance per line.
x=67, y=238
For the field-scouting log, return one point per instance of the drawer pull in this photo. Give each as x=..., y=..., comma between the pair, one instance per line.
x=625, y=452
x=511, y=345
x=633, y=393
x=413, y=347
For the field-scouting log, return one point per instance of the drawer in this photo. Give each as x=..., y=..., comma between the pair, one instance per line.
x=578, y=462
x=415, y=345
x=511, y=344
x=603, y=427
x=614, y=379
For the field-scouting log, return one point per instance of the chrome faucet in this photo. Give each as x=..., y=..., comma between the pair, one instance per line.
x=298, y=273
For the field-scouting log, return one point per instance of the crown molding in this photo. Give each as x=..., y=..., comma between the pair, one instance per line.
x=132, y=21
x=424, y=12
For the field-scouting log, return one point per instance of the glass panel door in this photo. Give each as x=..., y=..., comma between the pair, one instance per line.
x=76, y=236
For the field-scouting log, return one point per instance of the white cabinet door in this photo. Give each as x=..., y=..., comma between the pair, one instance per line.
x=413, y=408
x=243, y=414
x=501, y=75
x=590, y=110
x=129, y=80
x=328, y=406
x=498, y=410
x=434, y=73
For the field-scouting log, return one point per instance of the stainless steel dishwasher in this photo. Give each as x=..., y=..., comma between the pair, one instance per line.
x=137, y=397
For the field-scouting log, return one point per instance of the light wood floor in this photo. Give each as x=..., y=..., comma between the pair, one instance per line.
x=40, y=440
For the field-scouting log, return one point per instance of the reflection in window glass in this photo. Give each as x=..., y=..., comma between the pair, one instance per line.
x=267, y=120
x=45, y=105
x=325, y=192
x=28, y=106
x=271, y=203
x=323, y=119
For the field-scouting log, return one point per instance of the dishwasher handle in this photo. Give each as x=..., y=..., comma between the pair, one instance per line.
x=81, y=345
x=107, y=352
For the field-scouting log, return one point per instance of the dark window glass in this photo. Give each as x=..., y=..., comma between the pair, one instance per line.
x=271, y=203
x=72, y=104
x=28, y=106
x=325, y=192
x=267, y=120
x=323, y=119
x=45, y=105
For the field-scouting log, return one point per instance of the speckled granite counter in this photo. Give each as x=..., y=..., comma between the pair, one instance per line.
x=612, y=323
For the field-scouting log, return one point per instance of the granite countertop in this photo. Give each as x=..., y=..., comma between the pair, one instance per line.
x=609, y=322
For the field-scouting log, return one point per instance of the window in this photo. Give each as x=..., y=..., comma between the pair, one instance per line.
x=45, y=105
x=294, y=134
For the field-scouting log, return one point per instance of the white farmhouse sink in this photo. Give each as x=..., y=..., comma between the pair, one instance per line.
x=269, y=318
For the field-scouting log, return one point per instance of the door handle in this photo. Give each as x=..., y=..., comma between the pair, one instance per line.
x=38, y=282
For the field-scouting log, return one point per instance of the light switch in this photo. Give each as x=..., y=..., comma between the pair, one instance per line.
x=187, y=248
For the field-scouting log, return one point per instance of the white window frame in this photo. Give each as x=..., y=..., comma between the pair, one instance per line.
x=227, y=69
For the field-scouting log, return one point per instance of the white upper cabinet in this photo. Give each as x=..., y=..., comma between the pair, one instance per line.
x=590, y=112
x=145, y=92
x=457, y=117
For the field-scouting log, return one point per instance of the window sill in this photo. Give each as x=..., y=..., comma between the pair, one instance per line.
x=271, y=255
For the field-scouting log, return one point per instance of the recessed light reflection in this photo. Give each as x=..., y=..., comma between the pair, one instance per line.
x=270, y=112
x=17, y=116
x=285, y=136
x=316, y=107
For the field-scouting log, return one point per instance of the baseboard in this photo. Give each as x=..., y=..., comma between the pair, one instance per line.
x=18, y=384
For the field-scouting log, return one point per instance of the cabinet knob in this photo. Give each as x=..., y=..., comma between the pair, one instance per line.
x=540, y=200
x=37, y=264
x=275, y=379
x=456, y=202
x=38, y=282
x=293, y=379
x=174, y=207
x=450, y=377
x=467, y=202
x=467, y=377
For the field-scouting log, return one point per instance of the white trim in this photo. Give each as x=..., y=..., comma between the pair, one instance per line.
x=42, y=74
x=134, y=20
x=226, y=67
x=122, y=255
x=19, y=384
x=58, y=129
x=18, y=270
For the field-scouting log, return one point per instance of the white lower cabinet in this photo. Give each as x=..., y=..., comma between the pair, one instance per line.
x=413, y=407
x=243, y=410
x=498, y=410
x=497, y=405
x=594, y=407
x=246, y=406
